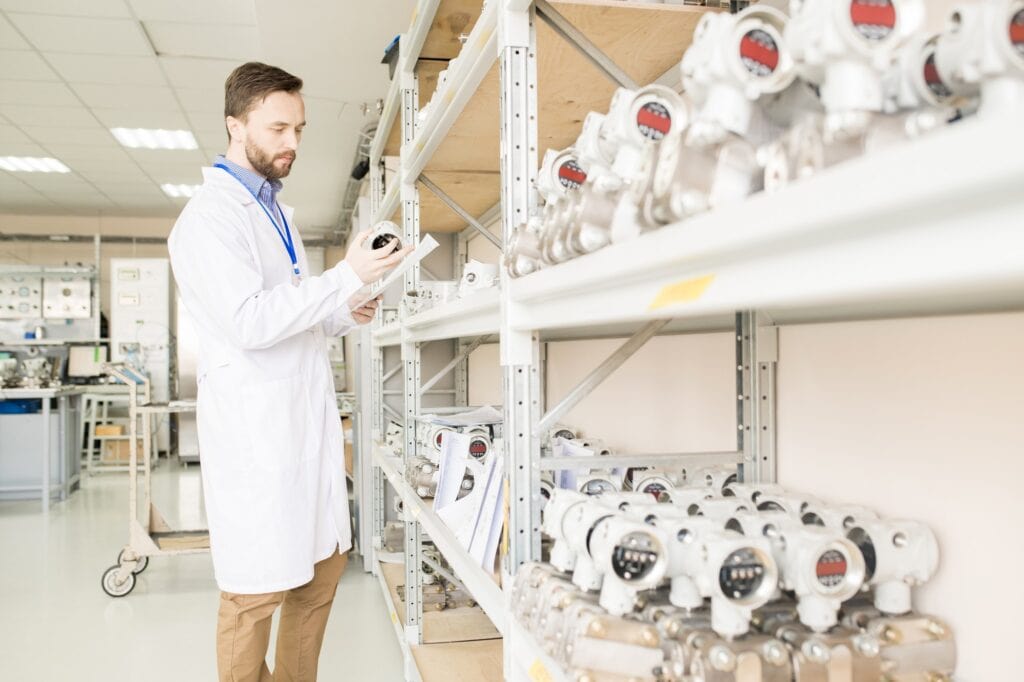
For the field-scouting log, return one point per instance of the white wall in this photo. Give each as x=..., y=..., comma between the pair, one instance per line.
x=916, y=418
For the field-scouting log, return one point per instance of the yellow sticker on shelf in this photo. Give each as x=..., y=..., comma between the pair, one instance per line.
x=687, y=291
x=394, y=618
x=538, y=673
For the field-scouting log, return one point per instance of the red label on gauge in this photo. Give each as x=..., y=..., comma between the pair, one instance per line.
x=570, y=175
x=873, y=19
x=831, y=568
x=1017, y=31
x=759, y=53
x=933, y=79
x=654, y=121
x=478, y=447
x=654, y=490
x=437, y=438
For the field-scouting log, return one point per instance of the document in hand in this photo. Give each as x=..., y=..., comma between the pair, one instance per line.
x=426, y=245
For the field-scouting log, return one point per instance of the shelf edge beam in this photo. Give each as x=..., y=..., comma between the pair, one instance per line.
x=600, y=373
x=691, y=459
x=564, y=28
x=458, y=210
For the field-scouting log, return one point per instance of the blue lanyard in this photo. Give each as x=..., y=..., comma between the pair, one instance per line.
x=285, y=234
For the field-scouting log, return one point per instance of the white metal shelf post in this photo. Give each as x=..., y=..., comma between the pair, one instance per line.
x=411, y=360
x=757, y=356
x=520, y=350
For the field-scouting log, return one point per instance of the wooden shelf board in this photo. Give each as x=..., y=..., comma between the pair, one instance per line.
x=460, y=661
x=476, y=192
x=463, y=624
x=644, y=40
x=452, y=19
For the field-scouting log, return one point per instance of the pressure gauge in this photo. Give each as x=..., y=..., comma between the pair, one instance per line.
x=383, y=234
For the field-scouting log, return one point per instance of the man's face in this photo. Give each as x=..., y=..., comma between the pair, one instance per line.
x=271, y=133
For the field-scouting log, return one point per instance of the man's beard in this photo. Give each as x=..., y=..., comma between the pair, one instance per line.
x=263, y=163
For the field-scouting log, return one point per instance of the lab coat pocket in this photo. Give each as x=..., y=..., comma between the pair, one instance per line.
x=278, y=417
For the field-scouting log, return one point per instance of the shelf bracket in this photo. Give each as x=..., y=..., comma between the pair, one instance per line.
x=600, y=373
x=564, y=28
x=458, y=210
x=465, y=353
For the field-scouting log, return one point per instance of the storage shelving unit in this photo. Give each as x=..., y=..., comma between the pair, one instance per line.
x=847, y=244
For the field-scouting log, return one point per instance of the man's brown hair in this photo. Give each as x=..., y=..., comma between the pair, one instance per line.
x=251, y=83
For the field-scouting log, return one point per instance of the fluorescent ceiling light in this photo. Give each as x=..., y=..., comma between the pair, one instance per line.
x=145, y=138
x=32, y=164
x=178, y=191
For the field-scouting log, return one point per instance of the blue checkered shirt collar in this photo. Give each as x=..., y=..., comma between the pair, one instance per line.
x=266, y=190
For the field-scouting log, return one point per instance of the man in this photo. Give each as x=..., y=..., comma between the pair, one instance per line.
x=269, y=431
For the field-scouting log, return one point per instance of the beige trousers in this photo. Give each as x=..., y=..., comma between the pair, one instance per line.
x=243, y=628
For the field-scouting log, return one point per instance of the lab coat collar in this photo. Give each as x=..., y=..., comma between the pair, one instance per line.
x=222, y=180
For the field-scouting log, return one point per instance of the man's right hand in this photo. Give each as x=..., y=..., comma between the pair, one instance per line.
x=372, y=264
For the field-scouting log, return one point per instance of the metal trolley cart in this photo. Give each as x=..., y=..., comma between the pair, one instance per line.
x=149, y=535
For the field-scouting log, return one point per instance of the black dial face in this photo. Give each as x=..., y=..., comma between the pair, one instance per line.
x=860, y=537
x=874, y=20
x=654, y=120
x=634, y=557
x=654, y=489
x=382, y=240
x=812, y=519
x=741, y=574
x=770, y=506
x=478, y=447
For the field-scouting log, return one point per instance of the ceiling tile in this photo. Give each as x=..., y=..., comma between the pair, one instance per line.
x=25, y=65
x=196, y=11
x=115, y=174
x=203, y=40
x=127, y=118
x=83, y=156
x=9, y=38
x=102, y=69
x=92, y=8
x=205, y=121
x=161, y=158
x=205, y=100
x=85, y=35
x=23, y=115
x=75, y=136
x=127, y=96
x=192, y=72
x=12, y=135
x=23, y=149
x=212, y=140
x=33, y=93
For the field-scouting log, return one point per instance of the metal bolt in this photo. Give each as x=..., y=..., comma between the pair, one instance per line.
x=722, y=659
x=891, y=635
x=815, y=652
x=775, y=653
x=596, y=629
x=935, y=629
x=867, y=646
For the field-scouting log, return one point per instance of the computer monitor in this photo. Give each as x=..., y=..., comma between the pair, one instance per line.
x=86, y=361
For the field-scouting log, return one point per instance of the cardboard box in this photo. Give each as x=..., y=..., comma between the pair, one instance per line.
x=109, y=429
x=119, y=451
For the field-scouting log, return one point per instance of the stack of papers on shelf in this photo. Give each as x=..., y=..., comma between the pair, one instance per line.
x=476, y=519
x=477, y=417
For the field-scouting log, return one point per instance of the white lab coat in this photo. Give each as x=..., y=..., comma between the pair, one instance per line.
x=270, y=437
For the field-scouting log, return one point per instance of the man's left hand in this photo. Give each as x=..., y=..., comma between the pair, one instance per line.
x=364, y=314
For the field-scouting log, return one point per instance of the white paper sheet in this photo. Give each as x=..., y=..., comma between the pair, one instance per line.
x=452, y=460
x=481, y=415
x=426, y=245
x=488, y=527
x=560, y=447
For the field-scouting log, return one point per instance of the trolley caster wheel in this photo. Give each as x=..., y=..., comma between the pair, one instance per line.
x=140, y=564
x=112, y=587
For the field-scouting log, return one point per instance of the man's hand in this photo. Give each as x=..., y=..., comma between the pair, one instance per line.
x=364, y=313
x=372, y=264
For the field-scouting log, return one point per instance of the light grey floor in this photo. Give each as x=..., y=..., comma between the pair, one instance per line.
x=56, y=623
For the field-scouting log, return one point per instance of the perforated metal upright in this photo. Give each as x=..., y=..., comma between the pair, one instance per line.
x=411, y=359
x=520, y=350
x=757, y=356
